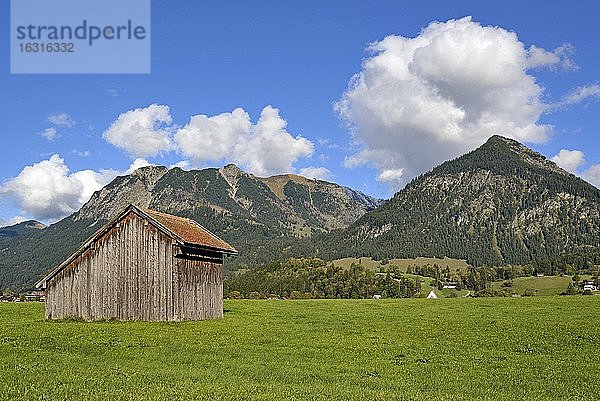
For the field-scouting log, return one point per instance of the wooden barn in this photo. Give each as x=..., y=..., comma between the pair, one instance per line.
x=143, y=265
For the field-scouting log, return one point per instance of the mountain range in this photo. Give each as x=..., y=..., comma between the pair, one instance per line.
x=499, y=204
x=243, y=209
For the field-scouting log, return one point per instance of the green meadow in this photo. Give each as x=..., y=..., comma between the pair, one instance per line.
x=543, y=286
x=404, y=264
x=534, y=348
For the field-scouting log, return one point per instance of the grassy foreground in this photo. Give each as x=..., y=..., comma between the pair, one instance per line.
x=408, y=349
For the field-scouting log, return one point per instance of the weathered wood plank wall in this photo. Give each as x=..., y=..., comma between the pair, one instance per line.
x=131, y=273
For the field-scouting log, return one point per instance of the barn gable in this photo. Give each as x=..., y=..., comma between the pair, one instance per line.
x=143, y=265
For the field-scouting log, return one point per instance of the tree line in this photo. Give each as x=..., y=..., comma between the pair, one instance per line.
x=315, y=278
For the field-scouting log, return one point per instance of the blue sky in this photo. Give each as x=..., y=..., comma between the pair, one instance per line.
x=210, y=58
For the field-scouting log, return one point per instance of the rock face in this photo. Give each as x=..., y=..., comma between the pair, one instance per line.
x=502, y=203
x=279, y=204
x=135, y=188
x=243, y=209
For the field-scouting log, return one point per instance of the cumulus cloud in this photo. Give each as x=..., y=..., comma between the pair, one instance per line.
x=138, y=163
x=592, y=175
x=570, y=160
x=558, y=58
x=48, y=190
x=61, y=120
x=320, y=173
x=182, y=164
x=142, y=132
x=49, y=134
x=213, y=138
x=420, y=101
x=390, y=175
x=264, y=148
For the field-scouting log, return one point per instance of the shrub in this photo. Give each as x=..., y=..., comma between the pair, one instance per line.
x=492, y=292
x=529, y=292
x=570, y=290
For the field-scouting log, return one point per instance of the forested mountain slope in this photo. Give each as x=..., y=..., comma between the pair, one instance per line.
x=501, y=203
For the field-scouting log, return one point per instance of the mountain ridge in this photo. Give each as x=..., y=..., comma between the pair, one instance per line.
x=238, y=206
x=500, y=204
x=15, y=230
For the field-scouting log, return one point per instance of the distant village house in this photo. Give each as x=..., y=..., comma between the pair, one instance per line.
x=143, y=265
x=33, y=296
x=589, y=286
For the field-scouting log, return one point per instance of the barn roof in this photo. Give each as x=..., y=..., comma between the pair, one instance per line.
x=186, y=231
x=189, y=231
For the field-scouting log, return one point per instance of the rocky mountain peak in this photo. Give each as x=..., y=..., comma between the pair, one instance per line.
x=502, y=146
x=135, y=188
x=150, y=173
x=499, y=155
x=231, y=173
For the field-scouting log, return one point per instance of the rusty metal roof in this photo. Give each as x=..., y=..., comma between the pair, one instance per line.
x=189, y=231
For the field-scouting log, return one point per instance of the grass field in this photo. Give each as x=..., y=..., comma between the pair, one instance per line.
x=547, y=285
x=403, y=264
x=409, y=349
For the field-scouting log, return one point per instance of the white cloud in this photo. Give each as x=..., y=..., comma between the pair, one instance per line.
x=580, y=94
x=115, y=92
x=264, y=148
x=137, y=163
x=183, y=164
x=592, y=175
x=570, y=160
x=48, y=191
x=213, y=138
x=82, y=153
x=49, y=134
x=320, y=173
x=12, y=221
x=392, y=176
x=142, y=132
x=16, y=220
x=559, y=57
x=420, y=101
x=61, y=120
